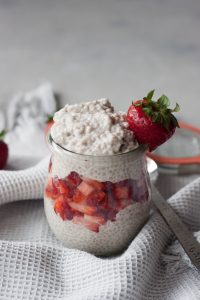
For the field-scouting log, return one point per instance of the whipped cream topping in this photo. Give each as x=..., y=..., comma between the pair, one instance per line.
x=93, y=128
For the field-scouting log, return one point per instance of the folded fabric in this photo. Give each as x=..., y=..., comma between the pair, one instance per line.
x=34, y=265
x=24, y=184
x=26, y=116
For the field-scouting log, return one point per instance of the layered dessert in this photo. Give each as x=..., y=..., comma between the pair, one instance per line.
x=97, y=192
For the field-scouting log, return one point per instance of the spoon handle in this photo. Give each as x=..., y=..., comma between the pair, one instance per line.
x=185, y=237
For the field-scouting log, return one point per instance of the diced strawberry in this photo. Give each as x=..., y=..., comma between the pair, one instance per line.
x=62, y=208
x=124, y=203
x=82, y=207
x=78, y=196
x=85, y=188
x=65, y=189
x=77, y=213
x=109, y=186
x=50, y=166
x=74, y=179
x=111, y=215
x=55, y=181
x=58, y=206
x=121, y=183
x=94, y=183
x=51, y=191
x=95, y=198
x=89, y=225
x=95, y=219
x=92, y=201
x=144, y=196
x=121, y=192
x=132, y=188
x=69, y=214
x=49, y=194
x=100, y=195
x=111, y=200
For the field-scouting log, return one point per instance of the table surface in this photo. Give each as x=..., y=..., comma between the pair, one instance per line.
x=119, y=49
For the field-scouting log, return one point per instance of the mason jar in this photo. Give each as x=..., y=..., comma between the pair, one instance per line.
x=96, y=203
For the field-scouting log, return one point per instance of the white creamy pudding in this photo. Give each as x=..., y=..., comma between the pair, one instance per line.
x=93, y=128
x=97, y=193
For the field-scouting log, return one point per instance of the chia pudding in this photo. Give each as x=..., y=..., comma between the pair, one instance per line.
x=97, y=193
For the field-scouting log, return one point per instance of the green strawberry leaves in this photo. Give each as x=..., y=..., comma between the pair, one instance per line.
x=149, y=95
x=148, y=111
x=163, y=101
x=176, y=109
x=159, y=110
x=2, y=134
x=49, y=118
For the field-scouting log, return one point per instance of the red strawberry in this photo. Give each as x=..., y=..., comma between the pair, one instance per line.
x=96, y=197
x=50, y=166
x=85, y=188
x=74, y=179
x=51, y=190
x=86, y=223
x=3, y=151
x=152, y=122
x=94, y=183
x=95, y=219
x=122, y=192
x=78, y=196
x=49, y=123
x=83, y=208
x=124, y=203
x=65, y=188
x=62, y=208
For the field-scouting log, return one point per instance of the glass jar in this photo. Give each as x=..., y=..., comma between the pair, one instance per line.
x=96, y=203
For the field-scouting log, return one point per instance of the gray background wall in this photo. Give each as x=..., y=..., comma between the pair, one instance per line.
x=94, y=48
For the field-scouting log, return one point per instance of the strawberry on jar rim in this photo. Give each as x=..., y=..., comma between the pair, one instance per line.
x=49, y=123
x=152, y=122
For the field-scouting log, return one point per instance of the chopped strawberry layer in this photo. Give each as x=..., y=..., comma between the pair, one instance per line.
x=91, y=203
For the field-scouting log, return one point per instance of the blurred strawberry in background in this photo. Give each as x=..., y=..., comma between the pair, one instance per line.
x=49, y=123
x=3, y=150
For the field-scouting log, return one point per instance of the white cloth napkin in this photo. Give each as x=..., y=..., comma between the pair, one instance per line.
x=26, y=117
x=34, y=265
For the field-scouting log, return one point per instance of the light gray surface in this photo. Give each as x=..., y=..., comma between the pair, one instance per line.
x=115, y=48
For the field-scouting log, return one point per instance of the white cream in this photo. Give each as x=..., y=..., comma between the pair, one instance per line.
x=93, y=128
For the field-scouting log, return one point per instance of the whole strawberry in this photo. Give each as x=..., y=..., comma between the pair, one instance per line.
x=152, y=121
x=3, y=151
x=49, y=123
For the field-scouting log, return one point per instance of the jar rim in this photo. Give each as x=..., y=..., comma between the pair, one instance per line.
x=134, y=153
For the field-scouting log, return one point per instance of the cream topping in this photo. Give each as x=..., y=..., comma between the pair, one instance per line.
x=93, y=128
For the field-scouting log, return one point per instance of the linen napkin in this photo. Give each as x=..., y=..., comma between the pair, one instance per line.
x=34, y=265
x=25, y=121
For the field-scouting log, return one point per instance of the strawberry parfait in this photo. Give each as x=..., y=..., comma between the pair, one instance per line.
x=97, y=195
